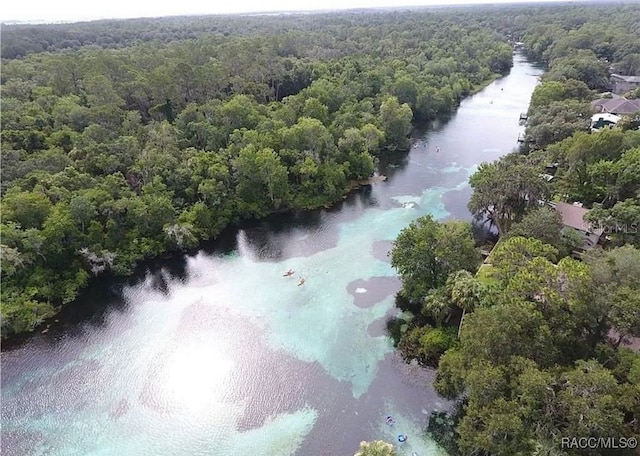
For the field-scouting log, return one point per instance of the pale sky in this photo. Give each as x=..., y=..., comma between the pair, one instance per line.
x=76, y=10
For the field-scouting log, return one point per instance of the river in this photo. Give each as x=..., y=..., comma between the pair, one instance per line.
x=219, y=354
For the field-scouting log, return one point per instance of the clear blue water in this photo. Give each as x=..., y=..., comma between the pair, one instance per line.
x=220, y=354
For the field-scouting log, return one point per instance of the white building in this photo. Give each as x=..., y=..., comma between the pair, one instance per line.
x=603, y=119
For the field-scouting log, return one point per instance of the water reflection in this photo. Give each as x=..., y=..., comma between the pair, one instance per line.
x=195, y=374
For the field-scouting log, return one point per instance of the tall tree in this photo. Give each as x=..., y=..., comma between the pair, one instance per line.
x=504, y=190
x=395, y=121
x=426, y=252
x=262, y=179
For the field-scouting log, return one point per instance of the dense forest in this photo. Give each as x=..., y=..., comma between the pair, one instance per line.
x=531, y=343
x=124, y=140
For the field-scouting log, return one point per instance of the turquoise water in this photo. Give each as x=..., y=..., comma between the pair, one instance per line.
x=220, y=354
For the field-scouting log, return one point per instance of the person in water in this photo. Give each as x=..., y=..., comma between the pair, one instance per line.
x=302, y=281
x=390, y=421
x=288, y=273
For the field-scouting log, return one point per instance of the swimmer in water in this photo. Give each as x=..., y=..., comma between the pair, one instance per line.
x=289, y=273
x=302, y=281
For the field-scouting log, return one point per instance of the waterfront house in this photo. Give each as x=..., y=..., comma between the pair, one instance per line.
x=623, y=84
x=573, y=218
x=618, y=106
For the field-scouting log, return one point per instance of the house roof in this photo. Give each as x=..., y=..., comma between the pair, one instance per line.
x=573, y=216
x=606, y=117
x=620, y=106
x=609, y=95
x=635, y=79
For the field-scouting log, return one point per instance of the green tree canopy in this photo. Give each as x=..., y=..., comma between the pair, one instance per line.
x=426, y=252
x=376, y=448
x=504, y=190
x=395, y=122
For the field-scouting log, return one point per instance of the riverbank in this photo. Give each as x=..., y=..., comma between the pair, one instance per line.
x=103, y=262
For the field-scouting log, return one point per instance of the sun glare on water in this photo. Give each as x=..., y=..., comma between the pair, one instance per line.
x=197, y=375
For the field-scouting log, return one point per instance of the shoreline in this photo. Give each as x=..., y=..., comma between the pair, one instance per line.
x=352, y=186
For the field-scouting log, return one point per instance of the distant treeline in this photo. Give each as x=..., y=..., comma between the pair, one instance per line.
x=550, y=22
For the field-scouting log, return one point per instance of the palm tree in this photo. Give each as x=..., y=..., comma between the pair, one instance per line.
x=436, y=305
x=376, y=448
x=465, y=292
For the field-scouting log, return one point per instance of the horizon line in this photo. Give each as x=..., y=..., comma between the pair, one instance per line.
x=500, y=3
